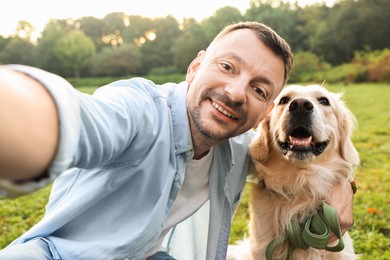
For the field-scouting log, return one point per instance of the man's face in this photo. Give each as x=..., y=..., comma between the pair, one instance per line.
x=232, y=85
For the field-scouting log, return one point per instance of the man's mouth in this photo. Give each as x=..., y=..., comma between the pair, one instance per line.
x=223, y=111
x=301, y=141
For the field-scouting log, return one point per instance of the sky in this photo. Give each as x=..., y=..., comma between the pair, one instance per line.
x=39, y=12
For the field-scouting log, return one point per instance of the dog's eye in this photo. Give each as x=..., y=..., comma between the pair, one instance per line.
x=284, y=100
x=323, y=101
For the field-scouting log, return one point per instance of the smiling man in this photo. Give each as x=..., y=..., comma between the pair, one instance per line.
x=232, y=86
x=136, y=159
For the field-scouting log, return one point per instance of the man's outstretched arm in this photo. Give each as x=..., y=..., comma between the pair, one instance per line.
x=29, y=129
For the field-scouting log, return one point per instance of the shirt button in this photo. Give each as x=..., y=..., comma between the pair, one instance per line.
x=177, y=177
x=189, y=153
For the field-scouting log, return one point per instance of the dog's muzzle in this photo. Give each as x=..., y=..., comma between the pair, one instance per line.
x=299, y=131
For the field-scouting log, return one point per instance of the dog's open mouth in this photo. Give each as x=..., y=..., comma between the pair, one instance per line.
x=301, y=141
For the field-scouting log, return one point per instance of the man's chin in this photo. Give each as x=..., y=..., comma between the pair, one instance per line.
x=215, y=135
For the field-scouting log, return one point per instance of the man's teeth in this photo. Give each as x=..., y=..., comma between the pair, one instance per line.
x=223, y=111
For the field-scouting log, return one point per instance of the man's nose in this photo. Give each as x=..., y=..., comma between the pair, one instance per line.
x=237, y=91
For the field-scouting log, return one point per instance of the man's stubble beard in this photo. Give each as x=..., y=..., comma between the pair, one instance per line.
x=203, y=129
x=201, y=126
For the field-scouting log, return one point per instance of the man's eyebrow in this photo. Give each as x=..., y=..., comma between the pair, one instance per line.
x=232, y=55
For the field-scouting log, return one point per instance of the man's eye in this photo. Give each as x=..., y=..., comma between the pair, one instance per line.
x=226, y=67
x=260, y=92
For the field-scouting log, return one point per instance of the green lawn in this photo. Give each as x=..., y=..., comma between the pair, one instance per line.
x=371, y=232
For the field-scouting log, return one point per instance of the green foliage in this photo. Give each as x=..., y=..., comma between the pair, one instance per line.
x=367, y=66
x=157, y=51
x=18, y=50
x=119, y=61
x=187, y=45
x=74, y=50
x=346, y=73
x=308, y=67
x=371, y=231
x=46, y=46
x=161, y=79
x=280, y=16
x=332, y=33
x=92, y=83
x=220, y=18
x=164, y=70
x=375, y=64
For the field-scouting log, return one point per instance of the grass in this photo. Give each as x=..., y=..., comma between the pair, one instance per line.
x=371, y=232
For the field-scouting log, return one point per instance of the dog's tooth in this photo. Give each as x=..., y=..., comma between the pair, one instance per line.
x=299, y=141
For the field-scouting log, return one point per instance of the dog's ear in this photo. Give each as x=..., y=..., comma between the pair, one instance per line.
x=347, y=125
x=259, y=148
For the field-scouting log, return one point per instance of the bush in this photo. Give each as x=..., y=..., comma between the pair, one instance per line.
x=308, y=67
x=164, y=70
x=376, y=65
x=91, y=82
x=346, y=73
x=366, y=66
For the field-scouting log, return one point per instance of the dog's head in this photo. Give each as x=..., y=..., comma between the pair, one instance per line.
x=306, y=124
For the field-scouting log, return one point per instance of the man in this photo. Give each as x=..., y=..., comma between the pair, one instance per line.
x=136, y=159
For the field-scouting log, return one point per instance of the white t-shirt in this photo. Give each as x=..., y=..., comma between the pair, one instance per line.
x=192, y=195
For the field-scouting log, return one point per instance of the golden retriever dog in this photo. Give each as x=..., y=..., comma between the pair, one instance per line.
x=302, y=148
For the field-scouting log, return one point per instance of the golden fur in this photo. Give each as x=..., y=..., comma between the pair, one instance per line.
x=302, y=148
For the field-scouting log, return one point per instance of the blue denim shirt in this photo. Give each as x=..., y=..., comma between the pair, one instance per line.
x=120, y=164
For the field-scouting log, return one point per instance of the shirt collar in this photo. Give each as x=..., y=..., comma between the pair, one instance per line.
x=181, y=126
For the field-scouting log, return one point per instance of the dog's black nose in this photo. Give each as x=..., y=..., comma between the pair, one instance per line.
x=301, y=105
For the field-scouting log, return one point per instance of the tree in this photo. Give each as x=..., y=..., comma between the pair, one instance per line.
x=95, y=29
x=186, y=47
x=373, y=24
x=45, y=50
x=121, y=61
x=280, y=16
x=25, y=30
x=313, y=22
x=73, y=50
x=350, y=26
x=157, y=46
x=3, y=42
x=136, y=29
x=18, y=50
x=221, y=18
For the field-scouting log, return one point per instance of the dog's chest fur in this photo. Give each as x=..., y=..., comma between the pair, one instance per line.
x=284, y=194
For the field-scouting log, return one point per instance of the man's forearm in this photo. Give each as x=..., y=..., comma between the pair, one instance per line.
x=29, y=128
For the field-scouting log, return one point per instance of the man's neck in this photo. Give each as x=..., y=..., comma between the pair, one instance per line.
x=201, y=144
x=200, y=150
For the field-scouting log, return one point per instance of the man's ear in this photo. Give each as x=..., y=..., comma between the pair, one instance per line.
x=193, y=67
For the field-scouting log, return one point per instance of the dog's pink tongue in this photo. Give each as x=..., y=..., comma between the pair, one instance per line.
x=300, y=141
